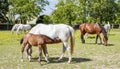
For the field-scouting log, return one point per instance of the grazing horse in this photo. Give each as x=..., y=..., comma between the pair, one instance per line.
x=61, y=31
x=20, y=27
x=38, y=40
x=93, y=29
x=14, y=28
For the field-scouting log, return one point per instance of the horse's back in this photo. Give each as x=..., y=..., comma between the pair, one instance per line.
x=90, y=28
x=33, y=39
x=81, y=26
x=44, y=29
x=25, y=26
x=52, y=31
x=64, y=29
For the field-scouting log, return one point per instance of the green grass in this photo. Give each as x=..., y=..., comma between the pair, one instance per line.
x=85, y=56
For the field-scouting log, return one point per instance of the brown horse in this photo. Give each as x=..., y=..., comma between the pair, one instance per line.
x=40, y=41
x=93, y=29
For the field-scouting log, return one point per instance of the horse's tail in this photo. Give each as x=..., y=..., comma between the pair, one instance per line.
x=21, y=41
x=72, y=40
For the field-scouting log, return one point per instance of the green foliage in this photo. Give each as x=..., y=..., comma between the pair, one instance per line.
x=118, y=13
x=65, y=12
x=28, y=9
x=4, y=5
x=79, y=11
x=47, y=19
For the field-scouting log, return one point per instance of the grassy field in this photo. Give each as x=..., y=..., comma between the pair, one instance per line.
x=85, y=56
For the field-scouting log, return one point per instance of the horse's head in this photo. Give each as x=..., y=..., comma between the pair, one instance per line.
x=105, y=39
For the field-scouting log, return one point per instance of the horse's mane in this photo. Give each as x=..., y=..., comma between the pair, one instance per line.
x=103, y=31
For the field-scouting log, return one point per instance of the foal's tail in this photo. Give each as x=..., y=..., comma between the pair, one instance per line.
x=21, y=41
x=72, y=40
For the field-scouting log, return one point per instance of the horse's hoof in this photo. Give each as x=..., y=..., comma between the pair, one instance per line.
x=83, y=42
x=105, y=44
x=68, y=62
x=39, y=60
x=59, y=60
x=29, y=60
x=48, y=61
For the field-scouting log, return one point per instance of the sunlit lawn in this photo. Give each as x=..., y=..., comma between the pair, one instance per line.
x=85, y=56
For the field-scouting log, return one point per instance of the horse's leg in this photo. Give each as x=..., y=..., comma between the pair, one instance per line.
x=86, y=35
x=22, y=50
x=66, y=46
x=29, y=52
x=96, y=39
x=64, y=49
x=18, y=30
x=100, y=39
x=40, y=52
x=45, y=53
x=82, y=38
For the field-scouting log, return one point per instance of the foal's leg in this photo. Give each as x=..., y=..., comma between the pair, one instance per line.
x=45, y=53
x=40, y=52
x=22, y=50
x=26, y=49
x=29, y=52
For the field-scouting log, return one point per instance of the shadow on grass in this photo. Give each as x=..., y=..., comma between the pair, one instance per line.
x=91, y=37
x=111, y=34
x=110, y=44
x=99, y=44
x=65, y=59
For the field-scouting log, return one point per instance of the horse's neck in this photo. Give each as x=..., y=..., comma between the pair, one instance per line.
x=104, y=32
x=14, y=27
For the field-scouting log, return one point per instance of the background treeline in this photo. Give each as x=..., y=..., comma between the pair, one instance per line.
x=67, y=11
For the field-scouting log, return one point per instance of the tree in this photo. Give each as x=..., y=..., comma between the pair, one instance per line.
x=98, y=10
x=4, y=5
x=118, y=13
x=28, y=9
x=80, y=11
x=43, y=19
x=65, y=12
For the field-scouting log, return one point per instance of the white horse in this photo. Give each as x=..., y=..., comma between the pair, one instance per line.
x=14, y=28
x=20, y=27
x=23, y=27
x=107, y=27
x=61, y=31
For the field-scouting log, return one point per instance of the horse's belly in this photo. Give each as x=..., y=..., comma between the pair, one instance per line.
x=91, y=32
